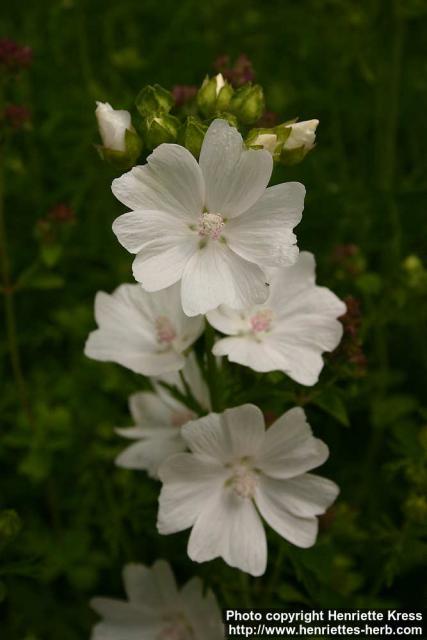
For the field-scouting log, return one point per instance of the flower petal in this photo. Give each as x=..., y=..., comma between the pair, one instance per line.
x=229, y=321
x=230, y=528
x=273, y=507
x=215, y=275
x=264, y=233
x=188, y=482
x=149, y=453
x=290, y=448
x=170, y=181
x=236, y=433
x=245, y=350
x=307, y=495
x=147, y=408
x=235, y=178
x=163, y=244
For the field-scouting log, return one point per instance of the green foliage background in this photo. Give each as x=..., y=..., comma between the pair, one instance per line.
x=69, y=518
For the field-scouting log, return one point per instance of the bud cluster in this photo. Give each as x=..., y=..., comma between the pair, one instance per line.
x=183, y=115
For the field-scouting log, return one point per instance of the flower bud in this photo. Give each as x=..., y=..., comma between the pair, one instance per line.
x=214, y=95
x=153, y=100
x=267, y=139
x=112, y=125
x=299, y=142
x=160, y=129
x=121, y=144
x=247, y=103
x=191, y=135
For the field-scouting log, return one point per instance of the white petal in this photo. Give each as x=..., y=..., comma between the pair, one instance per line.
x=301, y=362
x=163, y=244
x=245, y=350
x=170, y=181
x=273, y=507
x=188, y=482
x=147, y=408
x=115, y=347
x=215, y=275
x=305, y=496
x=226, y=320
x=118, y=611
x=230, y=528
x=290, y=448
x=149, y=453
x=288, y=282
x=202, y=611
x=127, y=329
x=264, y=233
x=149, y=630
x=238, y=432
x=235, y=178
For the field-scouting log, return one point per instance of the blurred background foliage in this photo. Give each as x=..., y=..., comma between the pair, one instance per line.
x=69, y=519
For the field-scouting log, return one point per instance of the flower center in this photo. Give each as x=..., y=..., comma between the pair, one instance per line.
x=164, y=330
x=261, y=321
x=181, y=417
x=244, y=480
x=210, y=225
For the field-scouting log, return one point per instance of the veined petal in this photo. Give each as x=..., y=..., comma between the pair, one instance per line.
x=236, y=433
x=235, y=178
x=306, y=495
x=264, y=233
x=147, y=408
x=289, y=447
x=216, y=275
x=272, y=505
x=249, y=352
x=230, y=528
x=170, y=181
x=188, y=482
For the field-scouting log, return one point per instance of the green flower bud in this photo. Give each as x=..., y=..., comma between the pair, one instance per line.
x=214, y=95
x=123, y=159
x=191, y=135
x=154, y=100
x=248, y=103
x=160, y=129
x=229, y=117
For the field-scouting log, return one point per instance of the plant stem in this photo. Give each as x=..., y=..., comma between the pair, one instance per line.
x=9, y=307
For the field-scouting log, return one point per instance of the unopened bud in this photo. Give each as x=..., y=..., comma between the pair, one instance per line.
x=191, y=135
x=121, y=144
x=300, y=140
x=160, y=129
x=247, y=103
x=154, y=100
x=214, y=95
x=112, y=124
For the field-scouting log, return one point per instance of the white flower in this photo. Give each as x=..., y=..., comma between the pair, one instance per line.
x=112, y=125
x=290, y=331
x=215, y=226
x=158, y=418
x=157, y=610
x=235, y=469
x=303, y=134
x=145, y=332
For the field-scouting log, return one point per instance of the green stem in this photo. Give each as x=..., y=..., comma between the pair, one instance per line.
x=9, y=307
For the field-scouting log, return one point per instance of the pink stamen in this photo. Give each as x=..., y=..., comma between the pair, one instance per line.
x=165, y=331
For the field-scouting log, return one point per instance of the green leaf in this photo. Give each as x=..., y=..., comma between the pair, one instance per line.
x=330, y=402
